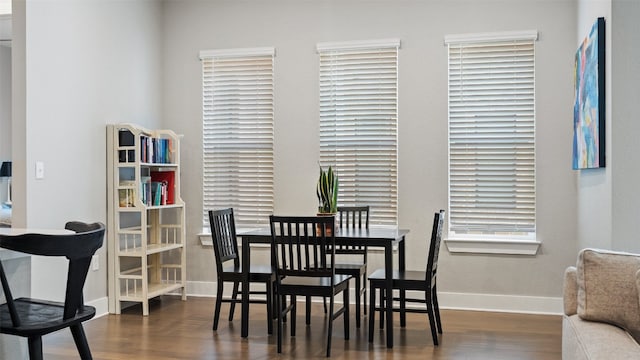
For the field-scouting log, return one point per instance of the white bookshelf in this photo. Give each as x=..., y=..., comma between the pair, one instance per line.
x=146, y=216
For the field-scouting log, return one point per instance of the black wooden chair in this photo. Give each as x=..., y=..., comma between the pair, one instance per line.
x=33, y=318
x=303, y=252
x=412, y=280
x=225, y=248
x=355, y=263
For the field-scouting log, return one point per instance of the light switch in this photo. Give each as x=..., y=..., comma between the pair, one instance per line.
x=39, y=170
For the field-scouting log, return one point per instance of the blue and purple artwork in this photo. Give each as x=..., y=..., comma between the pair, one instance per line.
x=588, y=109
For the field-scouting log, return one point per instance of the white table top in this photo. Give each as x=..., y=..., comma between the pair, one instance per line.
x=8, y=254
x=20, y=231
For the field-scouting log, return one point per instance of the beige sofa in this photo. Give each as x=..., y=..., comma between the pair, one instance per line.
x=602, y=307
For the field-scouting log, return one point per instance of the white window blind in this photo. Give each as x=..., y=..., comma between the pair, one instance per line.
x=238, y=113
x=358, y=123
x=492, y=189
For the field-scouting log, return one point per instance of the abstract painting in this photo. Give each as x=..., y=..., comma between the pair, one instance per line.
x=589, y=106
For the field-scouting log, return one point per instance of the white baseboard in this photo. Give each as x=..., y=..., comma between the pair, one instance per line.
x=447, y=300
x=101, y=305
x=501, y=303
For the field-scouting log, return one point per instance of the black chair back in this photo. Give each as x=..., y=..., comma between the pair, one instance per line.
x=303, y=246
x=223, y=234
x=434, y=248
x=354, y=217
x=78, y=248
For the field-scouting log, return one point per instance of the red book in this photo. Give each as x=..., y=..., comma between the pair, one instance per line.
x=168, y=177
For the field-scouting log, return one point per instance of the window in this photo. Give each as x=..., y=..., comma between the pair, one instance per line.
x=358, y=123
x=492, y=189
x=237, y=114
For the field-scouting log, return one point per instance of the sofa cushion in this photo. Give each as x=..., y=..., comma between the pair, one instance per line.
x=607, y=288
x=570, y=291
x=595, y=340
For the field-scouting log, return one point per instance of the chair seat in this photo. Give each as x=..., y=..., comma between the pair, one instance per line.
x=257, y=273
x=350, y=268
x=313, y=286
x=414, y=279
x=39, y=317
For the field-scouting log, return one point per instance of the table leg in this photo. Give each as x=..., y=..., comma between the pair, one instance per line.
x=388, y=268
x=244, y=328
x=403, y=293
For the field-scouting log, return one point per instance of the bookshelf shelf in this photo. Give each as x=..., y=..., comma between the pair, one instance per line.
x=146, y=216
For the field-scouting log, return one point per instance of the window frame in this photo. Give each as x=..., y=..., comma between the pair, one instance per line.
x=521, y=243
x=266, y=180
x=372, y=98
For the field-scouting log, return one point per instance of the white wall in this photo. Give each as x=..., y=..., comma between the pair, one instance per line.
x=625, y=37
x=594, y=206
x=86, y=64
x=608, y=198
x=5, y=98
x=5, y=113
x=294, y=28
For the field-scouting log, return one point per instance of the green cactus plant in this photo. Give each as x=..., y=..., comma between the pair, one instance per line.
x=327, y=191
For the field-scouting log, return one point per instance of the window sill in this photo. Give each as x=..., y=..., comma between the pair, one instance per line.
x=484, y=246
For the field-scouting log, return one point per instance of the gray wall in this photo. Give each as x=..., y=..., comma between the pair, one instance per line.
x=625, y=127
x=81, y=65
x=608, y=198
x=594, y=203
x=5, y=112
x=294, y=28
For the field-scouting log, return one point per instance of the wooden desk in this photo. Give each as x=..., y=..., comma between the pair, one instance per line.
x=384, y=238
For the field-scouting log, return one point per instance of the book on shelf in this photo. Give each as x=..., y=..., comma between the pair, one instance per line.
x=155, y=150
x=159, y=193
x=169, y=179
x=126, y=195
x=145, y=190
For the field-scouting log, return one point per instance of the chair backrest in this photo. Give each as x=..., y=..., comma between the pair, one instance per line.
x=223, y=234
x=302, y=246
x=78, y=248
x=434, y=247
x=355, y=217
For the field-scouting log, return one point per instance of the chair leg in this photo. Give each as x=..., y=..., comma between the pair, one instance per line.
x=216, y=312
x=293, y=315
x=308, y=311
x=234, y=296
x=269, y=291
x=382, y=307
x=436, y=309
x=403, y=309
x=80, y=339
x=35, y=348
x=432, y=322
x=357, y=302
x=324, y=302
x=283, y=306
x=364, y=292
x=372, y=310
x=279, y=303
x=345, y=300
x=330, y=329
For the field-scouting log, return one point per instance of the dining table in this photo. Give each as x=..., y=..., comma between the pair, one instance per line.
x=380, y=237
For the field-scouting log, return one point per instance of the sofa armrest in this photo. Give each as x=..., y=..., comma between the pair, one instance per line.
x=570, y=291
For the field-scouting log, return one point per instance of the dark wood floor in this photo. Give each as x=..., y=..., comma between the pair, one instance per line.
x=182, y=330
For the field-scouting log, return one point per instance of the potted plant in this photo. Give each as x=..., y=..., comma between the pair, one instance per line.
x=327, y=191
